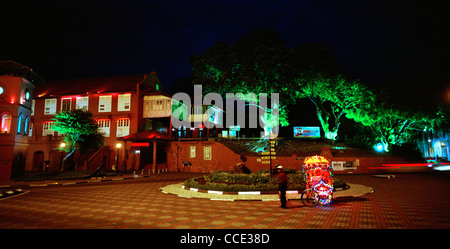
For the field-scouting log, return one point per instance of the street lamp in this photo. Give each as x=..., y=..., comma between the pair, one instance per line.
x=61, y=161
x=118, y=146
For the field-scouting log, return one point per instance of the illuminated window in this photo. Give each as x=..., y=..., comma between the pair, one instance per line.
x=192, y=150
x=123, y=127
x=82, y=103
x=6, y=124
x=30, y=129
x=50, y=107
x=47, y=128
x=66, y=104
x=124, y=101
x=104, y=103
x=25, y=127
x=19, y=124
x=33, y=103
x=27, y=95
x=104, y=126
x=207, y=152
x=168, y=105
x=157, y=105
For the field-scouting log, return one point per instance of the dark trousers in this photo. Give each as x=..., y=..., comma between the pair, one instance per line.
x=282, y=187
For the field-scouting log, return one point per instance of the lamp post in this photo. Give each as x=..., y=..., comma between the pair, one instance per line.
x=118, y=146
x=62, y=146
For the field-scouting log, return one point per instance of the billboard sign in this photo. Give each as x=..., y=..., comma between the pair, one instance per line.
x=306, y=131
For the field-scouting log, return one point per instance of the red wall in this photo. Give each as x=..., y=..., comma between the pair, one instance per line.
x=225, y=159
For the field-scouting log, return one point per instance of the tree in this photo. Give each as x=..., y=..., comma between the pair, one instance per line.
x=77, y=126
x=256, y=63
x=334, y=97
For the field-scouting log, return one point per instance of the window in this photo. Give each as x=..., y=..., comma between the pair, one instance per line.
x=19, y=123
x=66, y=104
x=25, y=127
x=123, y=127
x=50, y=107
x=30, y=130
x=82, y=103
x=207, y=152
x=104, y=126
x=124, y=101
x=168, y=105
x=47, y=128
x=27, y=95
x=6, y=124
x=157, y=105
x=104, y=103
x=192, y=151
x=33, y=103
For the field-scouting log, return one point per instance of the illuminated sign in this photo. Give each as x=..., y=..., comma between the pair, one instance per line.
x=307, y=131
x=140, y=144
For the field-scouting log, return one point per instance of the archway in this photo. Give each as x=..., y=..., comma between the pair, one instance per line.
x=38, y=161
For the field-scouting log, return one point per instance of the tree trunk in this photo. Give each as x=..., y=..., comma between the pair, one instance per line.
x=65, y=159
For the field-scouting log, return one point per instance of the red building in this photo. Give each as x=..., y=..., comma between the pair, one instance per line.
x=131, y=111
x=17, y=84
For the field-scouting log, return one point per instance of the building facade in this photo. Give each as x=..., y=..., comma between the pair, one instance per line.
x=17, y=85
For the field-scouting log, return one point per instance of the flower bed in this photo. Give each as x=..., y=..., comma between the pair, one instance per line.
x=260, y=181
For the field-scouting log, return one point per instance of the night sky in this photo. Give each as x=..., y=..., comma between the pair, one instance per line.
x=395, y=44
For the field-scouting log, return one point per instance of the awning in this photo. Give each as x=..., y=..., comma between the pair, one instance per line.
x=145, y=136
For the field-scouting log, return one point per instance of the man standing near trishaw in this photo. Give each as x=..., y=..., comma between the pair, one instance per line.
x=282, y=185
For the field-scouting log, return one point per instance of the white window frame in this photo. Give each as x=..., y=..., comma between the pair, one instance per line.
x=47, y=128
x=70, y=105
x=207, y=152
x=33, y=104
x=157, y=104
x=50, y=106
x=30, y=129
x=124, y=102
x=83, y=103
x=123, y=127
x=104, y=103
x=104, y=126
x=192, y=151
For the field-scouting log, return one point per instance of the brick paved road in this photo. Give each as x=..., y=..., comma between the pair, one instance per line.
x=407, y=201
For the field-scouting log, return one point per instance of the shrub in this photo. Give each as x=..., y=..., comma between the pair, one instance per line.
x=260, y=181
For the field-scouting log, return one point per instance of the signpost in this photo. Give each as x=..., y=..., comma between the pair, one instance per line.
x=268, y=156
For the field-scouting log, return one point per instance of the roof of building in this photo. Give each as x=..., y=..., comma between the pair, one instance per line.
x=88, y=86
x=9, y=67
x=145, y=136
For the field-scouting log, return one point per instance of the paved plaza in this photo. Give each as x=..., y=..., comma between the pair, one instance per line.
x=408, y=201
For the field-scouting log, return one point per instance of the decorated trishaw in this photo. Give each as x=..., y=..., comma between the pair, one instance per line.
x=318, y=176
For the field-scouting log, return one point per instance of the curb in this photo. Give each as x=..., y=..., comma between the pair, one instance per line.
x=233, y=196
x=291, y=192
x=9, y=193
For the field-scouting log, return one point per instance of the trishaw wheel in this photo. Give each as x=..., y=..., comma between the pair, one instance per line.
x=308, y=198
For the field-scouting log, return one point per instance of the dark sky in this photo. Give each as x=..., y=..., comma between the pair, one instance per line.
x=398, y=44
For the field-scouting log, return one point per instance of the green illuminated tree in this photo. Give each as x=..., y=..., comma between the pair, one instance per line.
x=256, y=63
x=79, y=131
x=334, y=98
